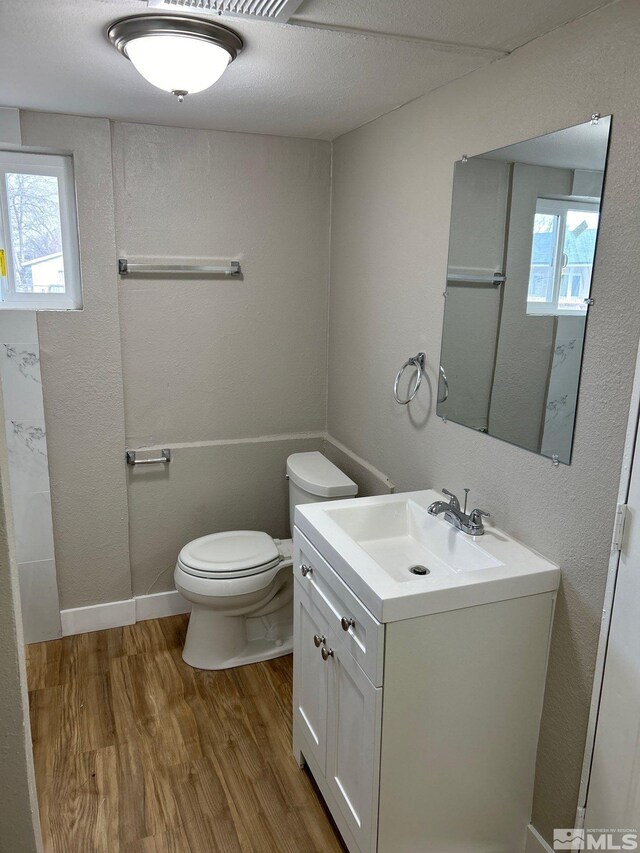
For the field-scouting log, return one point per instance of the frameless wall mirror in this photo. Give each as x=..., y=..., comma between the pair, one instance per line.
x=524, y=228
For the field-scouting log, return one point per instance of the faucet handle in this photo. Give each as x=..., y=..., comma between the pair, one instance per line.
x=476, y=516
x=454, y=502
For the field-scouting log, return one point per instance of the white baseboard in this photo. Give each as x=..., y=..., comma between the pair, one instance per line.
x=535, y=842
x=160, y=604
x=115, y=614
x=97, y=617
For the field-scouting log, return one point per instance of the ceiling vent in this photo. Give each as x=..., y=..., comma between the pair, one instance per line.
x=260, y=10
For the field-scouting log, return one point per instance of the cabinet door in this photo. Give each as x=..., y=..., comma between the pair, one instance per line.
x=310, y=676
x=353, y=746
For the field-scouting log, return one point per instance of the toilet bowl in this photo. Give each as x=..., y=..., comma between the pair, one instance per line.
x=240, y=582
x=231, y=578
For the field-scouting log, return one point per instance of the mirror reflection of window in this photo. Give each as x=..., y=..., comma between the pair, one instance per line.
x=522, y=244
x=562, y=253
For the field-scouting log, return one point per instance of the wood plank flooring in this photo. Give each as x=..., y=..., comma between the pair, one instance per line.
x=135, y=752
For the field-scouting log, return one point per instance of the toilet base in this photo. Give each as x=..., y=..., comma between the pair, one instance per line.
x=215, y=641
x=254, y=652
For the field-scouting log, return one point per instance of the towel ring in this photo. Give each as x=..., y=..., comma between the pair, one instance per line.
x=445, y=396
x=417, y=361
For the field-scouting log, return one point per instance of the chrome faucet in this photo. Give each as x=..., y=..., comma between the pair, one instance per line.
x=471, y=524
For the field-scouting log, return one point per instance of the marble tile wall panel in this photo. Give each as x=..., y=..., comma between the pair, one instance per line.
x=29, y=474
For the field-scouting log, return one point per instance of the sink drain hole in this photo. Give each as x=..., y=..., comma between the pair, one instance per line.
x=419, y=570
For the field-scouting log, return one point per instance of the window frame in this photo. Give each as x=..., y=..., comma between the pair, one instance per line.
x=559, y=207
x=59, y=166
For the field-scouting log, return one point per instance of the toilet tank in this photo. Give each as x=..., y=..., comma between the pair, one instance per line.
x=312, y=478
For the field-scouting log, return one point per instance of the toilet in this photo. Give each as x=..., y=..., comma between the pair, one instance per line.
x=240, y=582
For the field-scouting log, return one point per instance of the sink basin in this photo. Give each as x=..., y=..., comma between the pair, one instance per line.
x=400, y=534
x=374, y=544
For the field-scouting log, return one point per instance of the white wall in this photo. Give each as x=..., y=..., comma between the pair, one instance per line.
x=478, y=217
x=232, y=371
x=229, y=373
x=207, y=488
x=390, y=222
x=10, y=126
x=471, y=322
x=525, y=342
x=217, y=359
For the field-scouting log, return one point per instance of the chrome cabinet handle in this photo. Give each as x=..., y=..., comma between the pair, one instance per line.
x=347, y=623
x=306, y=570
x=319, y=640
x=326, y=653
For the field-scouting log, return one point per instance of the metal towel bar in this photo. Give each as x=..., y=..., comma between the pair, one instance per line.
x=133, y=460
x=125, y=268
x=496, y=279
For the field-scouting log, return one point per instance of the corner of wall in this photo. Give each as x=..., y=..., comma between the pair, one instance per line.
x=370, y=480
x=10, y=131
x=329, y=249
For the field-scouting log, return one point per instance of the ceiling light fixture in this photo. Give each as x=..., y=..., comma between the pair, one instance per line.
x=177, y=53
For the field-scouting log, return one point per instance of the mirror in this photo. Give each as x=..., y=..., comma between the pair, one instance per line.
x=522, y=244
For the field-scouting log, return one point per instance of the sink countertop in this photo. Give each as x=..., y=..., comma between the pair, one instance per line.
x=515, y=571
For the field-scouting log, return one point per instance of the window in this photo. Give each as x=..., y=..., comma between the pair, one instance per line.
x=562, y=253
x=39, y=257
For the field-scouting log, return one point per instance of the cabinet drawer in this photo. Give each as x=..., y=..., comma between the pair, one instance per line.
x=358, y=632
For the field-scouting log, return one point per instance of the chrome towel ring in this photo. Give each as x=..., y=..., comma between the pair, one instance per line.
x=445, y=395
x=418, y=361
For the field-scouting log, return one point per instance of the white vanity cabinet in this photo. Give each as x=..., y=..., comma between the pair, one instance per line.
x=420, y=733
x=337, y=707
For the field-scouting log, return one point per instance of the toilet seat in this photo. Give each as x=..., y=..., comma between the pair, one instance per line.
x=231, y=554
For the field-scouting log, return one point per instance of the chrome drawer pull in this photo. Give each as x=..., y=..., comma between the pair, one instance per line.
x=347, y=623
x=326, y=653
x=319, y=640
x=306, y=570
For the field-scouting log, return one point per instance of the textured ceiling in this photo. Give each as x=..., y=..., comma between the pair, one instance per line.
x=504, y=24
x=289, y=80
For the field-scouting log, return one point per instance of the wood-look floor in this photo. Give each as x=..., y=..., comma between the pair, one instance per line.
x=135, y=752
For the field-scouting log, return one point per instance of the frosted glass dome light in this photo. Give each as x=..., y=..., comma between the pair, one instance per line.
x=176, y=53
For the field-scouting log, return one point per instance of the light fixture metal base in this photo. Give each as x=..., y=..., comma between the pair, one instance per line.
x=136, y=26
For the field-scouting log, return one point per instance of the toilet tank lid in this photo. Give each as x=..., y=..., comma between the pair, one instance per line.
x=315, y=474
